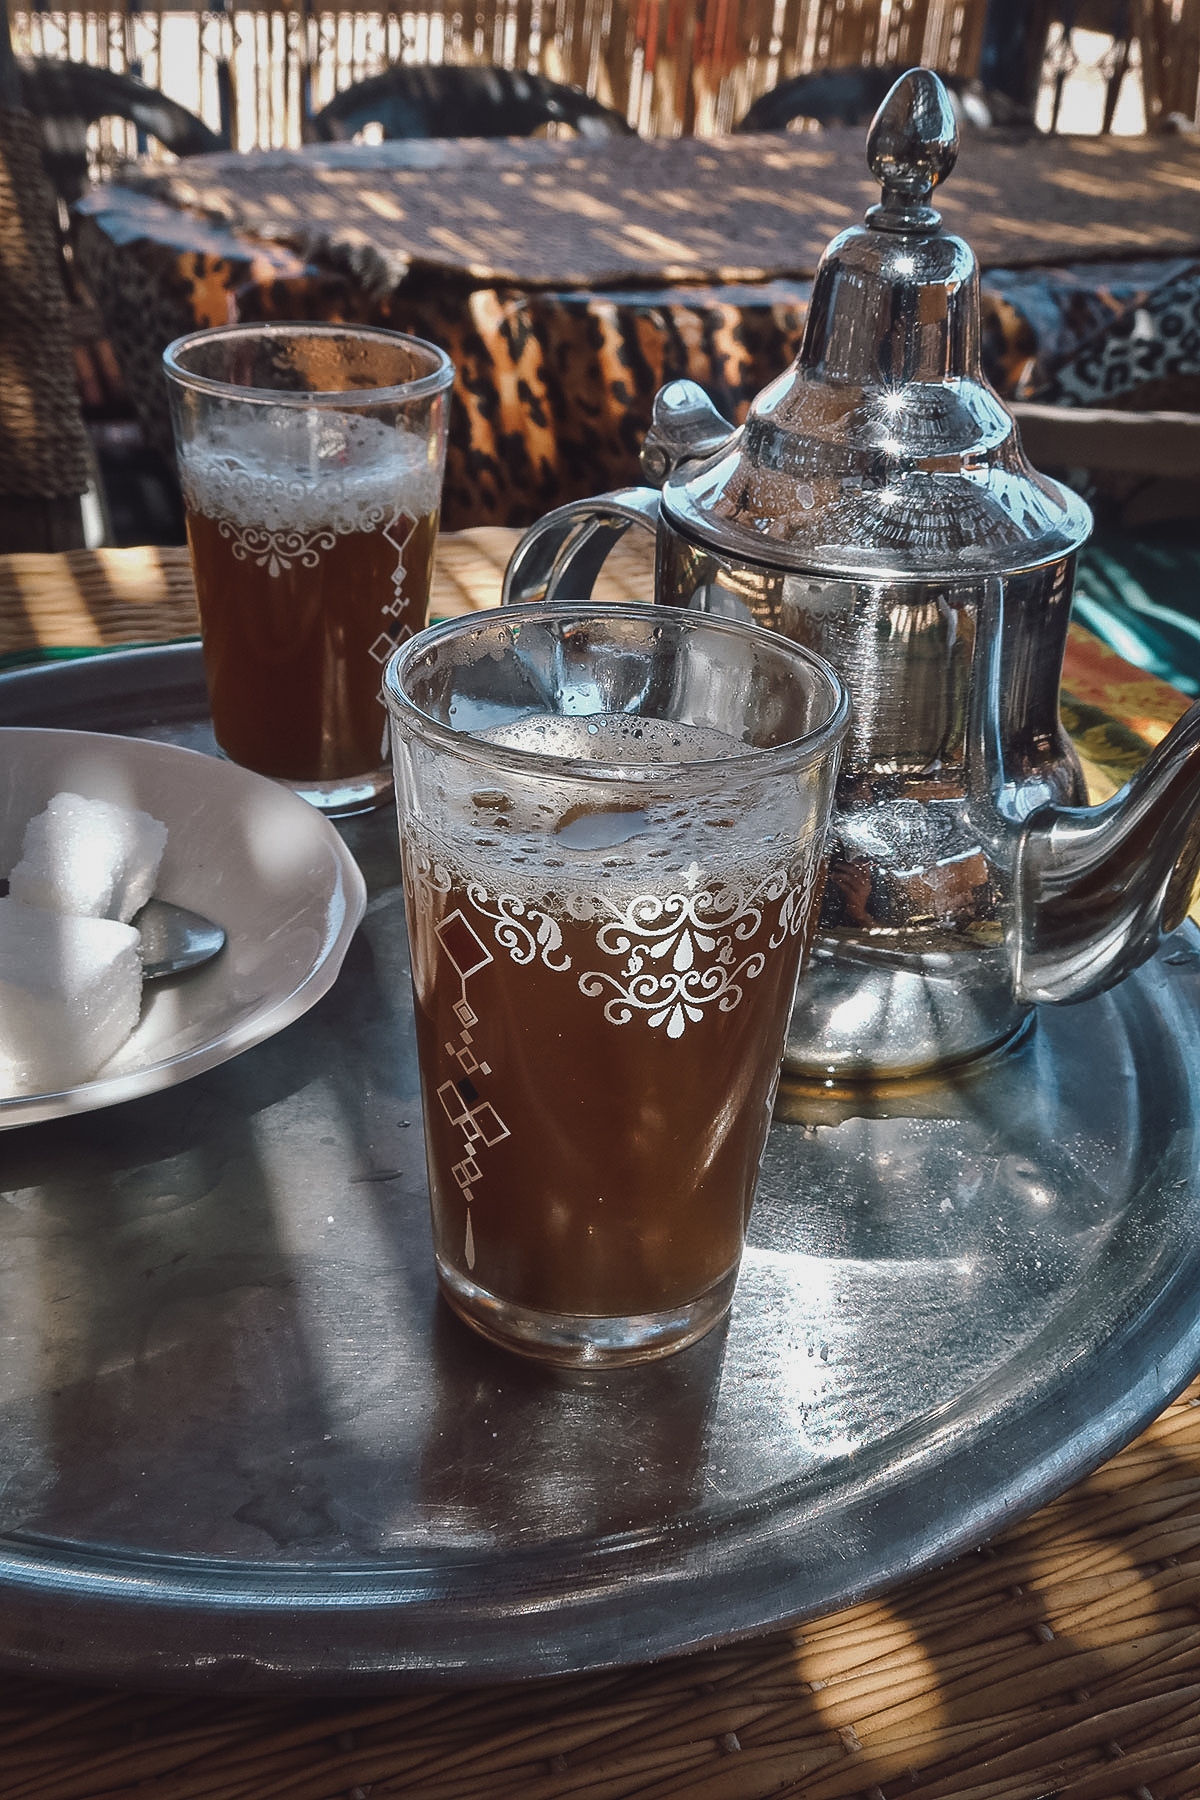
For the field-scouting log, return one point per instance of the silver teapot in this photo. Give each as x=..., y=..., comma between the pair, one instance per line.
x=877, y=506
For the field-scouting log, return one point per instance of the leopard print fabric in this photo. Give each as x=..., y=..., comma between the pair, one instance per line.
x=156, y=274
x=1147, y=358
x=553, y=391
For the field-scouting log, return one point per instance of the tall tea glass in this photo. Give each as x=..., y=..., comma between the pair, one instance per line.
x=311, y=461
x=612, y=821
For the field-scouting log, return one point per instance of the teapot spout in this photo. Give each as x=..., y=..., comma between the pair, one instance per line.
x=1096, y=889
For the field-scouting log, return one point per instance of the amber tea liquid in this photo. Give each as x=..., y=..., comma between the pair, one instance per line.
x=307, y=577
x=600, y=1034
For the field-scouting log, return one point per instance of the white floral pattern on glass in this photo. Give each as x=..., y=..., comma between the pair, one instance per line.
x=679, y=954
x=423, y=870
x=276, y=551
x=522, y=940
x=799, y=903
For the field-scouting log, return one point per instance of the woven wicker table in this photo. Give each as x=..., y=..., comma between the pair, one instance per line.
x=1063, y=1657
x=569, y=282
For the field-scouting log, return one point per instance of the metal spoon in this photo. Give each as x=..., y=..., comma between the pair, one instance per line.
x=174, y=939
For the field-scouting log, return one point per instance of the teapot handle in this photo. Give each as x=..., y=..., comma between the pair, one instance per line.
x=560, y=557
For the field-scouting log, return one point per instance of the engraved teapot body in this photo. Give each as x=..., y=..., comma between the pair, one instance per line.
x=877, y=507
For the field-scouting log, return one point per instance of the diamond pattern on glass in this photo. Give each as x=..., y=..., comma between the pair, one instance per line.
x=475, y=1117
x=398, y=535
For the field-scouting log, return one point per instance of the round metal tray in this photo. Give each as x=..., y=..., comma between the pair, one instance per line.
x=244, y=1446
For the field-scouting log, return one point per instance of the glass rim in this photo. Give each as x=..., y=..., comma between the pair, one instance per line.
x=438, y=378
x=795, y=753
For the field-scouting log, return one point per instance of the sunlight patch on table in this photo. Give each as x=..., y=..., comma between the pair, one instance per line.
x=381, y=205
x=855, y=1697
x=574, y=200
x=658, y=244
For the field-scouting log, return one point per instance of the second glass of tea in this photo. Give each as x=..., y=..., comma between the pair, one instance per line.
x=311, y=460
x=613, y=823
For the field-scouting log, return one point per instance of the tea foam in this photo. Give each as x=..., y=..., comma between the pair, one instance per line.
x=287, y=469
x=585, y=849
x=620, y=738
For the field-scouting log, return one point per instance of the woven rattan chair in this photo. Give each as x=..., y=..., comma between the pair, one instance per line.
x=68, y=97
x=851, y=96
x=44, y=454
x=455, y=100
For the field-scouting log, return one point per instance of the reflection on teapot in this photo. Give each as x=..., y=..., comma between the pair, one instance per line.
x=877, y=507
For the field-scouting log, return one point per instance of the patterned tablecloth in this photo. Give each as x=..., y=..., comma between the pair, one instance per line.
x=569, y=282
x=1061, y=1659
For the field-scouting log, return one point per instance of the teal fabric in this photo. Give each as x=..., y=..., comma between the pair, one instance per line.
x=1141, y=595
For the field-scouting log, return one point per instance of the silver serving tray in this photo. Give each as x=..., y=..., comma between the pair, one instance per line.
x=244, y=1446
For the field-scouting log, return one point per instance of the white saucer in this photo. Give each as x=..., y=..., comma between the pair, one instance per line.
x=241, y=850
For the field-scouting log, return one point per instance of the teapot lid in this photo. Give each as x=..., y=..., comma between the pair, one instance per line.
x=882, y=450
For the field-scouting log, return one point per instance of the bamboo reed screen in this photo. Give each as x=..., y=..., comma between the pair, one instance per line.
x=1169, y=34
x=670, y=66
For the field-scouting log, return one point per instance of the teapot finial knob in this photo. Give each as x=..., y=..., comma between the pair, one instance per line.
x=911, y=147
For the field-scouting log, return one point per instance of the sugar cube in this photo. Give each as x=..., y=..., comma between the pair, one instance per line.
x=89, y=857
x=70, y=993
